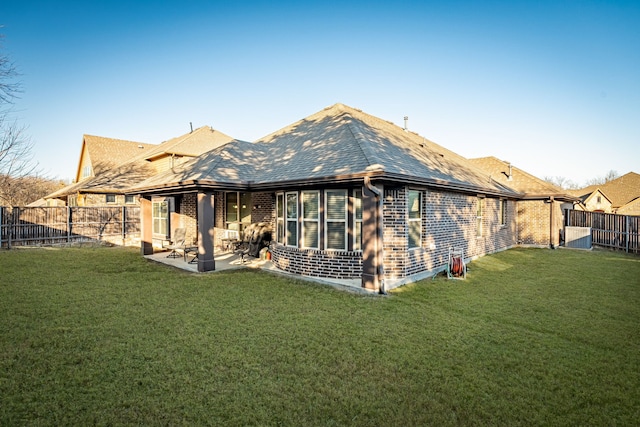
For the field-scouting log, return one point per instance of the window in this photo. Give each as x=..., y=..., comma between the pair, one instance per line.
x=357, y=223
x=479, y=211
x=129, y=199
x=503, y=212
x=280, y=218
x=238, y=210
x=111, y=198
x=310, y=219
x=336, y=218
x=292, y=219
x=86, y=172
x=160, y=214
x=415, y=219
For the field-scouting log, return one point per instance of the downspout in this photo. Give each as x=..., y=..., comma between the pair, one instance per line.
x=378, y=238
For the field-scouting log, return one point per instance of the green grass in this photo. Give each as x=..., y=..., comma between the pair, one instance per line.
x=532, y=337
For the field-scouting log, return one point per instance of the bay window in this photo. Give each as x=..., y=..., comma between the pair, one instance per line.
x=310, y=219
x=336, y=219
x=292, y=219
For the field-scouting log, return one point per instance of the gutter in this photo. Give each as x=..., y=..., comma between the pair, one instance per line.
x=377, y=241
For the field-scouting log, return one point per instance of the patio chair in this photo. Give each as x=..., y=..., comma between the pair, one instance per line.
x=456, y=268
x=177, y=243
x=255, y=236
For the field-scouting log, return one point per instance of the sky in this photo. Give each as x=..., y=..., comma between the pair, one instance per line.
x=551, y=86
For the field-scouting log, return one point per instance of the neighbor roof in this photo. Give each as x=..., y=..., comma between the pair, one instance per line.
x=521, y=181
x=336, y=144
x=137, y=168
x=619, y=191
x=107, y=152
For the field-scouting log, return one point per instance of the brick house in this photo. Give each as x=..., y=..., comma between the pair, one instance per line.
x=348, y=195
x=540, y=208
x=621, y=196
x=108, y=166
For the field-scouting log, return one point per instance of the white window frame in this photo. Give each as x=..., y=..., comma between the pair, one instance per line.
x=280, y=214
x=412, y=221
x=357, y=222
x=343, y=220
x=160, y=219
x=292, y=219
x=503, y=212
x=307, y=220
x=107, y=196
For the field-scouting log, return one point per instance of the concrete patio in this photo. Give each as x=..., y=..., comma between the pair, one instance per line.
x=229, y=261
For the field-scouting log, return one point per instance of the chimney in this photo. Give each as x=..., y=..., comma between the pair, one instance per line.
x=406, y=119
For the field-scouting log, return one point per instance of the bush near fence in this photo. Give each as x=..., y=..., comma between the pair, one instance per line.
x=29, y=226
x=608, y=230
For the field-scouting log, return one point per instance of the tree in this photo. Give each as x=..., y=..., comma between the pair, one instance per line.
x=561, y=182
x=16, y=159
x=609, y=176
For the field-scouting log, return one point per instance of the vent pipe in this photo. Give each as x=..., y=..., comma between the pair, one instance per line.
x=191, y=125
x=510, y=177
x=406, y=120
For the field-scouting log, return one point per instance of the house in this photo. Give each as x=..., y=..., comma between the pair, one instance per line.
x=108, y=167
x=347, y=195
x=621, y=196
x=540, y=208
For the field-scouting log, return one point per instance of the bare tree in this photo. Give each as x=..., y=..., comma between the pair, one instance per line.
x=561, y=182
x=609, y=176
x=16, y=158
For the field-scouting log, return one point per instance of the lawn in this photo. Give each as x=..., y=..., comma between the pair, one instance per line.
x=532, y=337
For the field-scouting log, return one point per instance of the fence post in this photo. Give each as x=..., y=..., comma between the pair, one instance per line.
x=627, y=235
x=69, y=222
x=1, y=226
x=124, y=226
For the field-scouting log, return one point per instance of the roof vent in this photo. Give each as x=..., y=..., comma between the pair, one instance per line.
x=510, y=177
x=191, y=125
x=406, y=120
x=140, y=146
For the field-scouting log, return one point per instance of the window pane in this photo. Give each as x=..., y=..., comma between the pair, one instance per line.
x=245, y=207
x=292, y=205
x=357, y=244
x=232, y=207
x=336, y=205
x=414, y=204
x=415, y=230
x=336, y=235
x=292, y=233
x=310, y=234
x=280, y=206
x=310, y=205
x=358, y=203
x=280, y=238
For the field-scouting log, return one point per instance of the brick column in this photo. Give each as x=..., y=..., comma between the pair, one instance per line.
x=372, y=255
x=146, y=226
x=206, y=216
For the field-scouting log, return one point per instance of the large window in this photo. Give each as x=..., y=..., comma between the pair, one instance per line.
x=310, y=219
x=415, y=218
x=336, y=218
x=292, y=219
x=479, y=213
x=357, y=223
x=160, y=214
x=238, y=210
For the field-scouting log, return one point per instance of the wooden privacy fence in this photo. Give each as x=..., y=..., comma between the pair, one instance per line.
x=24, y=226
x=609, y=230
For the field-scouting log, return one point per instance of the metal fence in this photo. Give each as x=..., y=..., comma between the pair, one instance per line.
x=608, y=230
x=28, y=226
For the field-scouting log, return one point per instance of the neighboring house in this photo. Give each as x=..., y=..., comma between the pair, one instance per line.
x=540, y=208
x=621, y=196
x=108, y=167
x=348, y=196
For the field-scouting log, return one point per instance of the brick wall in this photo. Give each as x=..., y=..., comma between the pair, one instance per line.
x=448, y=220
x=317, y=263
x=534, y=222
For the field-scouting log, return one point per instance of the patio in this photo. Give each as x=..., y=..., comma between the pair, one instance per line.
x=231, y=261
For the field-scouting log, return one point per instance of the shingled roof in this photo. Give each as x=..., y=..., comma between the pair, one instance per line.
x=619, y=191
x=137, y=167
x=530, y=186
x=337, y=144
x=108, y=152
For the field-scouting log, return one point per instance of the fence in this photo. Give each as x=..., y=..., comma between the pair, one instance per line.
x=24, y=226
x=609, y=230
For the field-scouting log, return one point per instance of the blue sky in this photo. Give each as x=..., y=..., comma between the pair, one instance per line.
x=551, y=86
